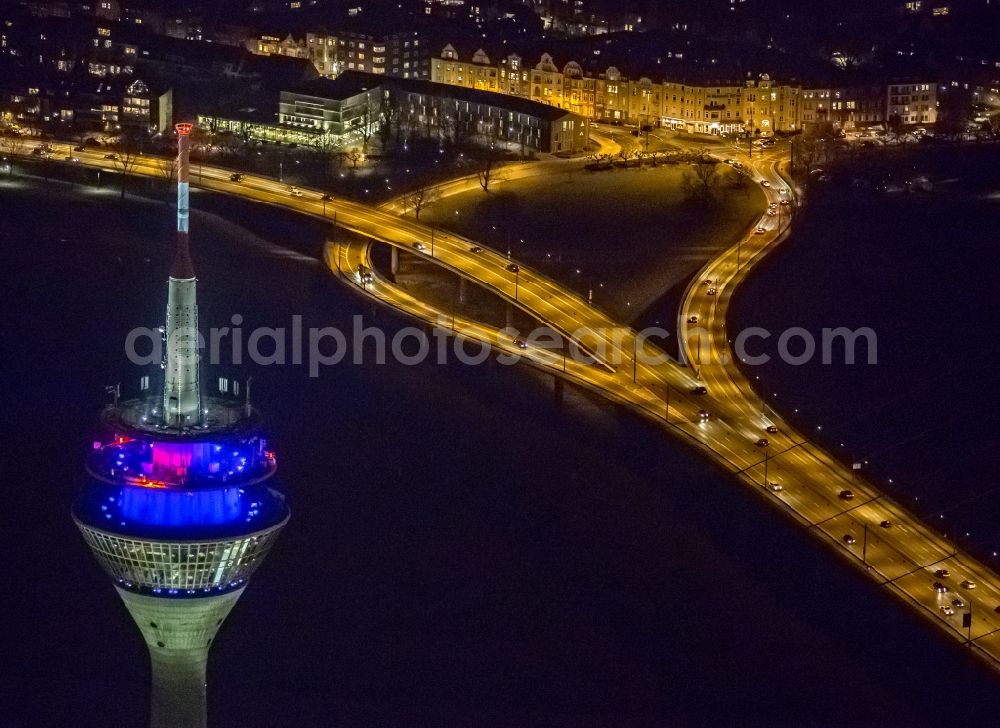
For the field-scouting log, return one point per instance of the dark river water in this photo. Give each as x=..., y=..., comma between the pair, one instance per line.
x=462, y=550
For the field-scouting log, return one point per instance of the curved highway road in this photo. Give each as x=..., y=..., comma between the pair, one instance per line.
x=869, y=530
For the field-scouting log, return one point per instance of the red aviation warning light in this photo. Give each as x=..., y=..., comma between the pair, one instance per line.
x=184, y=128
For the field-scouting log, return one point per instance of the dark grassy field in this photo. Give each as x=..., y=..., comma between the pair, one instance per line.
x=629, y=234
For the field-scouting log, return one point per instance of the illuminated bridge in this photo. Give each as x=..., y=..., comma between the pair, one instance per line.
x=794, y=474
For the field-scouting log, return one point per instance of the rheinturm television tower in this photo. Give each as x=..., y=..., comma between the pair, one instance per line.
x=179, y=508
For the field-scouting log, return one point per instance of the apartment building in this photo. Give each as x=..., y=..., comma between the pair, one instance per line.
x=402, y=53
x=847, y=108
x=912, y=103
x=756, y=106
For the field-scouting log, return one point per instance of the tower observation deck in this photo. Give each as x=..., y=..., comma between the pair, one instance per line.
x=179, y=507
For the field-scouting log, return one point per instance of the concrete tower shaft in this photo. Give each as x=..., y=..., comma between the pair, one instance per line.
x=178, y=633
x=181, y=382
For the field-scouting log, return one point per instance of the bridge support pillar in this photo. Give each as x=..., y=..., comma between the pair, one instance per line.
x=557, y=388
x=462, y=291
x=394, y=260
x=510, y=315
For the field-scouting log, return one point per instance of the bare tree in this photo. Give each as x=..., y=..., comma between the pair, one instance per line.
x=702, y=180
x=331, y=150
x=489, y=172
x=206, y=136
x=389, y=113
x=420, y=198
x=128, y=149
x=11, y=144
x=166, y=169
x=355, y=156
x=741, y=179
x=369, y=120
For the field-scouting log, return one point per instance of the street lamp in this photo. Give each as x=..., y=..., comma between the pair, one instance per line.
x=516, y=270
x=326, y=198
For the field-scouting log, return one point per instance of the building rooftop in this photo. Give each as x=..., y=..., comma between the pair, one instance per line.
x=352, y=83
x=346, y=85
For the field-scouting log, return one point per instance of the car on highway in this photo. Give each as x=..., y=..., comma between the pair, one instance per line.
x=513, y=267
x=772, y=212
x=848, y=539
x=767, y=142
x=419, y=246
x=366, y=277
x=71, y=158
x=939, y=587
x=692, y=319
x=475, y=249
x=236, y=177
x=886, y=524
x=112, y=157
x=520, y=343
x=942, y=573
x=846, y=494
x=703, y=415
x=957, y=603
x=728, y=161
x=762, y=442
x=711, y=291
x=765, y=183
x=699, y=390
x=707, y=282
x=968, y=584
x=947, y=610
x=760, y=231
x=80, y=148
x=295, y=192
x=775, y=486
x=786, y=202
x=772, y=429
